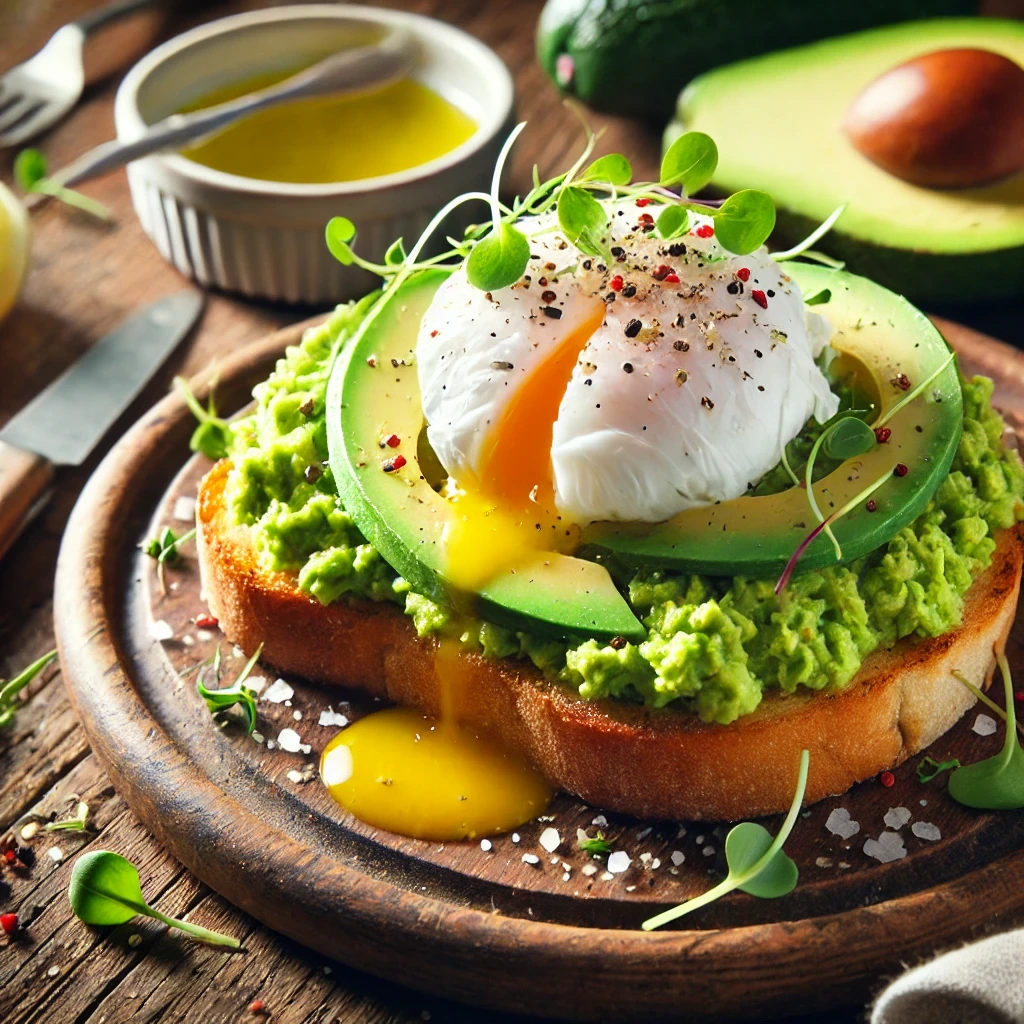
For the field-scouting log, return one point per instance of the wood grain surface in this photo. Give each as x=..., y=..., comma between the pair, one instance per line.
x=85, y=278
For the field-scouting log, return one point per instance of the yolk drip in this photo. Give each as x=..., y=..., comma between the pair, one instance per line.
x=432, y=779
x=507, y=513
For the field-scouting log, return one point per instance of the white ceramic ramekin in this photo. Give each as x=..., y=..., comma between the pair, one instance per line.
x=266, y=239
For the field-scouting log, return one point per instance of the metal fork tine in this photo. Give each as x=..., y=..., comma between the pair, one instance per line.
x=26, y=128
x=13, y=116
x=9, y=99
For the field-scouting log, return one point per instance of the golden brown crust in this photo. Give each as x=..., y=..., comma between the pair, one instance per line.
x=652, y=764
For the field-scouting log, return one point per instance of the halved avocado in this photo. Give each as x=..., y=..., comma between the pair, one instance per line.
x=756, y=536
x=777, y=122
x=374, y=393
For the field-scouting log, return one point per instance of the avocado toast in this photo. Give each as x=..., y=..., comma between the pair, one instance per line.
x=811, y=520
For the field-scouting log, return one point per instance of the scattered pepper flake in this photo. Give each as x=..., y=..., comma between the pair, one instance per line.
x=759, y=297
x=882, y=434
x=707, y=403
x=643, y=201
x=887, y=779
x=902, y=381
x=632, y=329
x=872, y=505
x=628, y=291
x=548, y=296
x=627, y=367
x=552, y=311
x=672, y=278
x=392, y=440
x=618, y=642
x=646, y=220
x=395, y=464
x=660, y=272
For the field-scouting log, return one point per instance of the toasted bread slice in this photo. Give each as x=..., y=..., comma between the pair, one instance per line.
x=651, y=764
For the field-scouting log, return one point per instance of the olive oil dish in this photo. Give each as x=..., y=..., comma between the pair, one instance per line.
x=610, y=499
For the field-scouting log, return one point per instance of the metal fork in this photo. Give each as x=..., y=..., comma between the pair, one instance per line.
x=39, y=92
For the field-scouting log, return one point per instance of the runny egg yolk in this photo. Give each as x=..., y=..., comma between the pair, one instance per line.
x=506, y=513
x=432, y=778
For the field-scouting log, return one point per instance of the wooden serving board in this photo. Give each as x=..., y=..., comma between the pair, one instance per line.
x=255, y=823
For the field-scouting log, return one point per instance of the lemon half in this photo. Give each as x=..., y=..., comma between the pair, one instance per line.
x=14, y=248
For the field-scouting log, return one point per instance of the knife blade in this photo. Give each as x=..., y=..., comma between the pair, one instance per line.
x=65, y=421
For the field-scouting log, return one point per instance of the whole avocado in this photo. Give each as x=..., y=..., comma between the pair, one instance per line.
x=633, y=56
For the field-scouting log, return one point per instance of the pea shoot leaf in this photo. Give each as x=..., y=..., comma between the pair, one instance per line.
x=395, y=256
x=928, y=768
x=673, y=221
x=690, y=161
x=847, y=438
x=819, y=298
x=745, y=220
x=583, y=220
x=213, y=435
x=997, y=783
x=498, y=260
x=613, y=168
x=10, y=688
x=29, y=169
x=105, y=890
x=340, y=234
x=757, y=863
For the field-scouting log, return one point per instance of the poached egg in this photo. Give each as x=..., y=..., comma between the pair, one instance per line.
x=671, y=379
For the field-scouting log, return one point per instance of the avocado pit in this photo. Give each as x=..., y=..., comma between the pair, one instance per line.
x=952, y=118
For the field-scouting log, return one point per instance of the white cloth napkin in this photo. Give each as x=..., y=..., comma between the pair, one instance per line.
x=979, y=984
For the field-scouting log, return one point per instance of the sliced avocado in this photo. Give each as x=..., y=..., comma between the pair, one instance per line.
x=777, y=123
x=633, y=56
x=756, y=536
x=374, y=393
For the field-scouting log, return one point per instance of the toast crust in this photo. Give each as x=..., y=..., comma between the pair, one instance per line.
x=652, y=764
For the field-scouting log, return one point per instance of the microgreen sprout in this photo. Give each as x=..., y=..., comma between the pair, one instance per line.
x=803, y=248
x=30, y=173
x=757, y=863
x=787, y=573
x=76, y=824
x=213, y=435
x=105, y=890
x=164, y=549
x=10, y=688
x=596, y=846
x=911, y=395
x=819, y=297
x=997, y=783
x=496, y=253
x=928, y=768
x=221, y=698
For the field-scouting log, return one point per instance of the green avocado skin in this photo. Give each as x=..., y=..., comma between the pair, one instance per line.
x=633, y=56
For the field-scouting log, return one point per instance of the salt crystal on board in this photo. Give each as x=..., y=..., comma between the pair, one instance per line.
x=896, y=817
x=840, y=823
x=589, y=869
x=160, y=631
x=600, y=821
x=486, y=845
x=926, y=830
x=203, y=635
x=256, y=683
x=278, y=692
x=290, y=740
x=618, y=862
x=984, y=725
x=332, y=717
x=550, y=839
x=678, y=857
x=886, y=848
x=531, y=858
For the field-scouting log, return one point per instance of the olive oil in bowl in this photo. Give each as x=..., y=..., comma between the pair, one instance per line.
x=328, y=139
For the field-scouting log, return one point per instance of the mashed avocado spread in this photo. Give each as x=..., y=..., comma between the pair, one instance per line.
x=714, y=645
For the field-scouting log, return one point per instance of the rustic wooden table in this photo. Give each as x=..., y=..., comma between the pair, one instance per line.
x=85, y=278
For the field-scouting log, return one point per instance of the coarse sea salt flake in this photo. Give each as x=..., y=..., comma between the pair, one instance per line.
x=840, y=823
x=55, y=853
x=926, y=830
x=678, y=857
x=600, y=821
x=606, y=876
x=184, y=509
x=531, y=858
x=290, y=740
x=896, y=817
x=332, y=717
x=278, y=692
x=886, y=848
x=589, y=869
x=295, y=776
x=984, y=725
x=550, y=839
x=256, y=683
x=203, y=635
x=486, y=845
x=618, y=862
x=160, y=631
